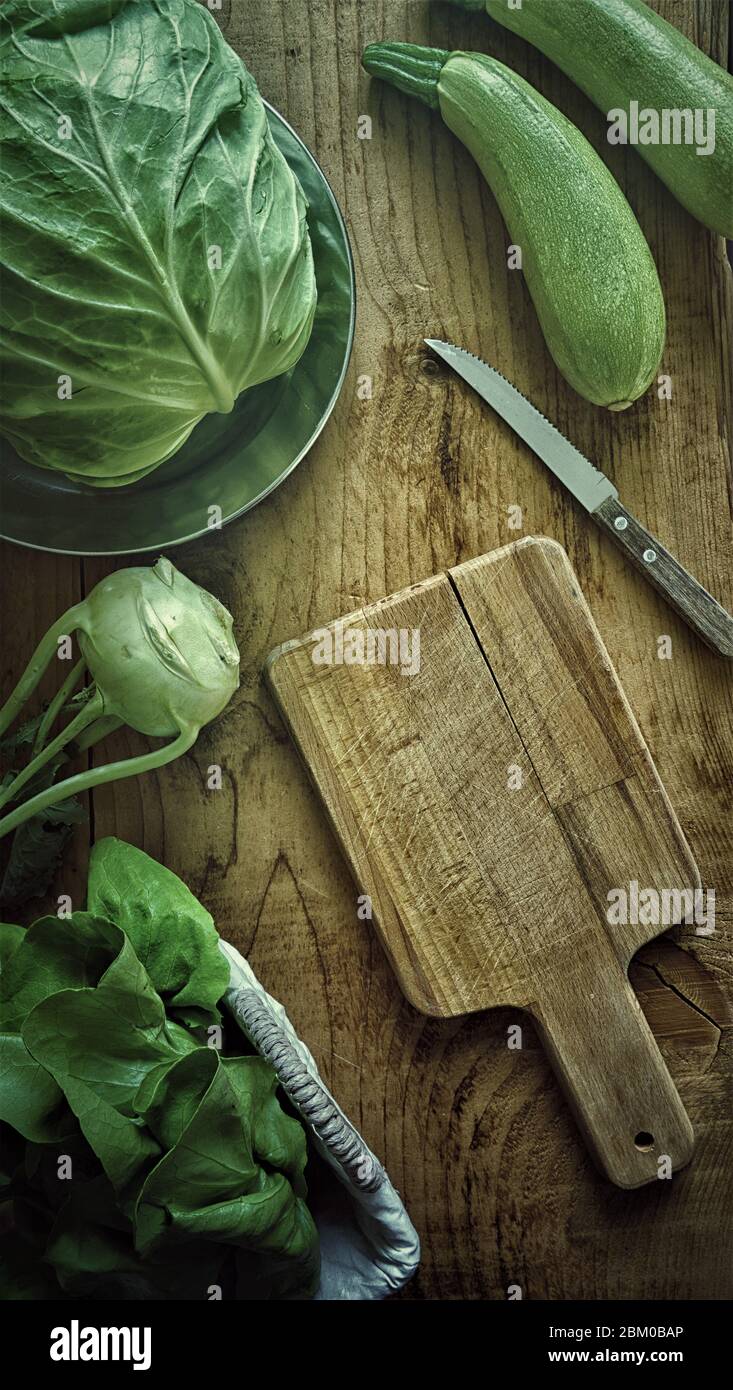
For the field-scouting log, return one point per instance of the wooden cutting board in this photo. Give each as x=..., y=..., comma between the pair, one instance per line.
x=490, y=787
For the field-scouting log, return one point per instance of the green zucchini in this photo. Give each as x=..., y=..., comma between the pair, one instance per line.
x=587, y=265
x=619, y=52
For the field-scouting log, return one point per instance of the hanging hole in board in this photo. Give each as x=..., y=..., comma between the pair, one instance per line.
x=644, y=1142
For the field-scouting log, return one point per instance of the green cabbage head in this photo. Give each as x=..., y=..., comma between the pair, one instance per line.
x=156, y=254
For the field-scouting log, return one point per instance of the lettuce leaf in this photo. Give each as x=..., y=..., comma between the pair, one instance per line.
x=172, y=934
x=213, y=1115
x=185, y=1172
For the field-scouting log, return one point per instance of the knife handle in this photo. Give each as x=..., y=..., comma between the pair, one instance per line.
x=699, y=609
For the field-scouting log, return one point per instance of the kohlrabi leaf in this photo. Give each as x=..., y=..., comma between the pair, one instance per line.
x=39, y=843
x=21, y=739
x=36, y=851
x=157, y=257
x=173, y=935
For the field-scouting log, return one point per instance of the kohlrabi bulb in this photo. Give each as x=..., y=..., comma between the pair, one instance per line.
x=159, y=648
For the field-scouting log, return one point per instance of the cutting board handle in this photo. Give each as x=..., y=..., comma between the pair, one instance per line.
x=614, y=1077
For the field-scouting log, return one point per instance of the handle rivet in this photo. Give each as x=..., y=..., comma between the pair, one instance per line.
x=620, y=523
x=650, y=556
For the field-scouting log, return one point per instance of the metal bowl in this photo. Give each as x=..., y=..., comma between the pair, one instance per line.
x=230, y=462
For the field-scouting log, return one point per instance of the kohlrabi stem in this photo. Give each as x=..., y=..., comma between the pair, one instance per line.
x=91, y=711
x=108, y=724
x=96, y=776
x=45, y=651
x=412, y=69
x=56, y=706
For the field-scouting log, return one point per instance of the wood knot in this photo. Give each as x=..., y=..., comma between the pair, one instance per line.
x=422, y=368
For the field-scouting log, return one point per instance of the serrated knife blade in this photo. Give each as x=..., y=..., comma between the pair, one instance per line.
x=598, y=495
x=574, y=470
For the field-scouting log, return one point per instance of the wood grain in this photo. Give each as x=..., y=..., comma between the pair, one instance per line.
x=440, y=776
x=412, y=481
x=576, y=725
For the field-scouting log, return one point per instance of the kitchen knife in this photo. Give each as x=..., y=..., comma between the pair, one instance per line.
x=598, y=495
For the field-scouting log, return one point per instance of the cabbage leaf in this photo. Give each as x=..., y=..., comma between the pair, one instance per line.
x=157, y=260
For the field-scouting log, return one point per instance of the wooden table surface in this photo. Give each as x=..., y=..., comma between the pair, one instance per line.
x=414, y=479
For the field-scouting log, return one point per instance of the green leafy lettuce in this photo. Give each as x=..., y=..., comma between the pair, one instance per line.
x=137, y=1160
x=157, y=257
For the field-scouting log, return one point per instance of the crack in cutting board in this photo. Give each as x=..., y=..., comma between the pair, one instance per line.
x=487, y=804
